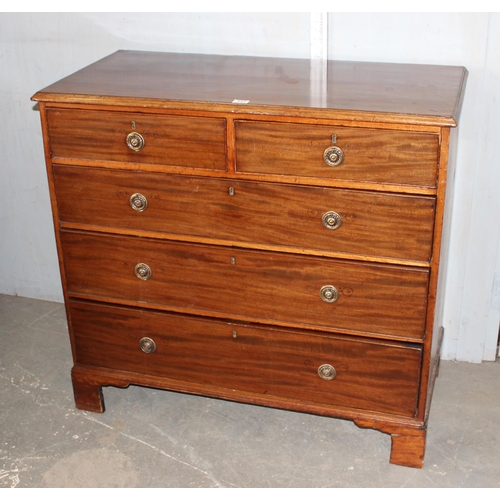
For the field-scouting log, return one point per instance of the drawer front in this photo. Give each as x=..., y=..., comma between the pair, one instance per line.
x=375, y=224
x=252, y=285
x=370, y=375
x=178, y=141
x=380, y=156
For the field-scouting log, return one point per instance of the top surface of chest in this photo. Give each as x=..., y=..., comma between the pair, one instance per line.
x=407, y=93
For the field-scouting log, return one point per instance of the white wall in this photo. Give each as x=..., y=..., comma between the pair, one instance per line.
x=37, y=49
x=477, y=332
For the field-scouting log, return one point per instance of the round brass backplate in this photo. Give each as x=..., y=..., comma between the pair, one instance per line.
x=331, y=220
x=138, y=202
x=333, y=156
x=329, y=293
x=135, y=141
x=143, y=271
x=147, y=345
x=327, y=372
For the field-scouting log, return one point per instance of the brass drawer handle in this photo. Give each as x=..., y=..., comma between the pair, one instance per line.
x=135, y=141
x=327, y=372
x=138, y=202
x=147, y=345
x=333, y=156
x=329, y=293
x=143, y=271
x=331, y=220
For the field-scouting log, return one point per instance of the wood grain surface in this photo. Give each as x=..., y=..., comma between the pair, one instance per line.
x=169, y=139
x=403, y=93
x=257, y=286
x=291, y=149
x=248, y=358
x=375, y=224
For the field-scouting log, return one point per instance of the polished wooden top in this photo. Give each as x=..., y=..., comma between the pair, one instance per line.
x=408, y=93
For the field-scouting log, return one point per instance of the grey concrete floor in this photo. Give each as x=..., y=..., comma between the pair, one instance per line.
x=157, y=439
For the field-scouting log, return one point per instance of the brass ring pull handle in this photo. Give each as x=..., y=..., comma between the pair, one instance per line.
x=135, y=141
x=327, y=372
x=333, y=156
x=329, y=293
x=138, y=202
x=331, y=220
x=143, y=271
x=147, y=345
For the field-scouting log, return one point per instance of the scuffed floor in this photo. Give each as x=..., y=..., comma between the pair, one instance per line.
x=152, y=439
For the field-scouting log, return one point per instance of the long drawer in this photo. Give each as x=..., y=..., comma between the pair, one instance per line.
x=252, y=285
x=329, y=220
x=366, y=374
x=179, y=141
x=366, y=155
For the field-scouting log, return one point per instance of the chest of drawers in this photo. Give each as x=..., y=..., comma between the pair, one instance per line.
x=236, y=228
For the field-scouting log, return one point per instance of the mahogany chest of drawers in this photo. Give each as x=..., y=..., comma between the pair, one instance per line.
x=240, y=228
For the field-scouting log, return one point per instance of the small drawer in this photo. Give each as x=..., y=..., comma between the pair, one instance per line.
x=363, y=155
x=273, y=288
x=175, y=141
x=328, y=369
x=322, y=219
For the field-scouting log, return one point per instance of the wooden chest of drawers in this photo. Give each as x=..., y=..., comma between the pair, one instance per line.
x=225, y=228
